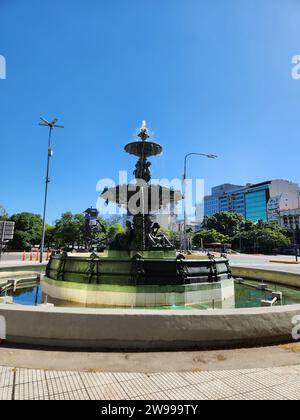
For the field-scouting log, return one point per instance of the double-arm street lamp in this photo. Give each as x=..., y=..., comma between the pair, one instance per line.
x=209, y=156
x=51, y=126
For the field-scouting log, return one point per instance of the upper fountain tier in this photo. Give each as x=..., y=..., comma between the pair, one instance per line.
x=143, y=148
x=153, y=197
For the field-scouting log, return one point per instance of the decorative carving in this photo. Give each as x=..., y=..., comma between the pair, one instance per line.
x=94, y=261
x=142, y=169
x=93, y=229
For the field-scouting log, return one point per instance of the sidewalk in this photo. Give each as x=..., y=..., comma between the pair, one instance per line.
x=254, y=384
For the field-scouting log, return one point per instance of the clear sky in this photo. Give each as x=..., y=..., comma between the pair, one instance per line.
x=207, y=75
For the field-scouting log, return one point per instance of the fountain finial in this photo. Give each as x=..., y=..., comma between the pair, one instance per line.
x=144, y=133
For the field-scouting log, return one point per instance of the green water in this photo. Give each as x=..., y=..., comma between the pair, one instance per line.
x=245, y=297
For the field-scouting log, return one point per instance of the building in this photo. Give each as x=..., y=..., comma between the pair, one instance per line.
x=264, y=201
x=190, y=224
x=166, y=217
x=221, y=199
x=290, y=219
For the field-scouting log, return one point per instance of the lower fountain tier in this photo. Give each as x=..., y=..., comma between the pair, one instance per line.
x=108, y=295
x=124, y=278
x=127, y=268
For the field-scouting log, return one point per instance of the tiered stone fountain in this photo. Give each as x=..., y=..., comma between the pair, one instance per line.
x=141, y=268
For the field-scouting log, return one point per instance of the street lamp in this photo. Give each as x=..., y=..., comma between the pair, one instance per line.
x=51, y=126
x=209, y=156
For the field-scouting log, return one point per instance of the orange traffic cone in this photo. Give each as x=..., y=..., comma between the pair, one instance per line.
x=37, y=256
x=24, y=255
x=31, y=256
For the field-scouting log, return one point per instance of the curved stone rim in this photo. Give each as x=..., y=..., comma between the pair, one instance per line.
x=143, y=148
x=136, y=329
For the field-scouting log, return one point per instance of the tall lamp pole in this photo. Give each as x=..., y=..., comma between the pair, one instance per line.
x=51, y=126
x=209, y=156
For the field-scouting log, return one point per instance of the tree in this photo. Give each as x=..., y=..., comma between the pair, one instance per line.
x=50, y=236
x=3, y=214
x=262, y=237
x=28, y=230
x=266, y=239
x=172, y=235
x=244, y=234
x=225, y=222
x=113, y=230
x=209, y=236
x=69, y=230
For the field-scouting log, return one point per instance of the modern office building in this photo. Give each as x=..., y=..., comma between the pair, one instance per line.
x=263, y=201
x=221, y=199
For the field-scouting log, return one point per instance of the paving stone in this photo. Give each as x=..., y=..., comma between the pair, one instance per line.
x=6, y=376
x=215, y=389
x=97, y=378
x=166, y=381
x=155, y=396
x=52, y=374
x=243, y=383
x=108, y=392
x=31, y=390
x=185, y=393
x=71, y=395
x=290, y=390
x=196, y=377
x=261, y=395
x=65, y=384
x=6, y=393
x=137, y=387
x=267, y=378
x=289, y=373
x=29, y=375
x=128, y=376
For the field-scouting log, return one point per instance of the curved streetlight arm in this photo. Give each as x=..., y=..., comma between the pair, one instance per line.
x=209, y=156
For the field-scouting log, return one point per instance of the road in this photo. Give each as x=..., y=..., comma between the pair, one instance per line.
x=263, y=262
x=246, y=260
x=15, y=258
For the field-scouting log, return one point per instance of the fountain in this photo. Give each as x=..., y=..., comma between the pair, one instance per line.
x=141, y=267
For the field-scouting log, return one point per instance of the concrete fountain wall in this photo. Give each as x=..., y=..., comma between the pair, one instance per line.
x=136, y=329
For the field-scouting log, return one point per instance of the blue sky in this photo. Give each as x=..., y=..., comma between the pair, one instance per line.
x=207, y=75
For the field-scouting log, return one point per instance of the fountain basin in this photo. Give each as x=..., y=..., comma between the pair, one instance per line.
x=128, y=279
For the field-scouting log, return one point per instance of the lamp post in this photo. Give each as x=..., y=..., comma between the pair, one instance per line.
x=209, y=156
x=295, y=243
x=51, y=126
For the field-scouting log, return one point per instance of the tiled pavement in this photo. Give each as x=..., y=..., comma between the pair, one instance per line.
x=252, y=384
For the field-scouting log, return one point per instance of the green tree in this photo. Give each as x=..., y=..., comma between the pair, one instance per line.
x=225, y=222
x=50, y=236
x=169, y=233
x=266, y=239
x=261, y=237
x=209, y=236
x=28, y=230
x=69, y=230
x=113, y=230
